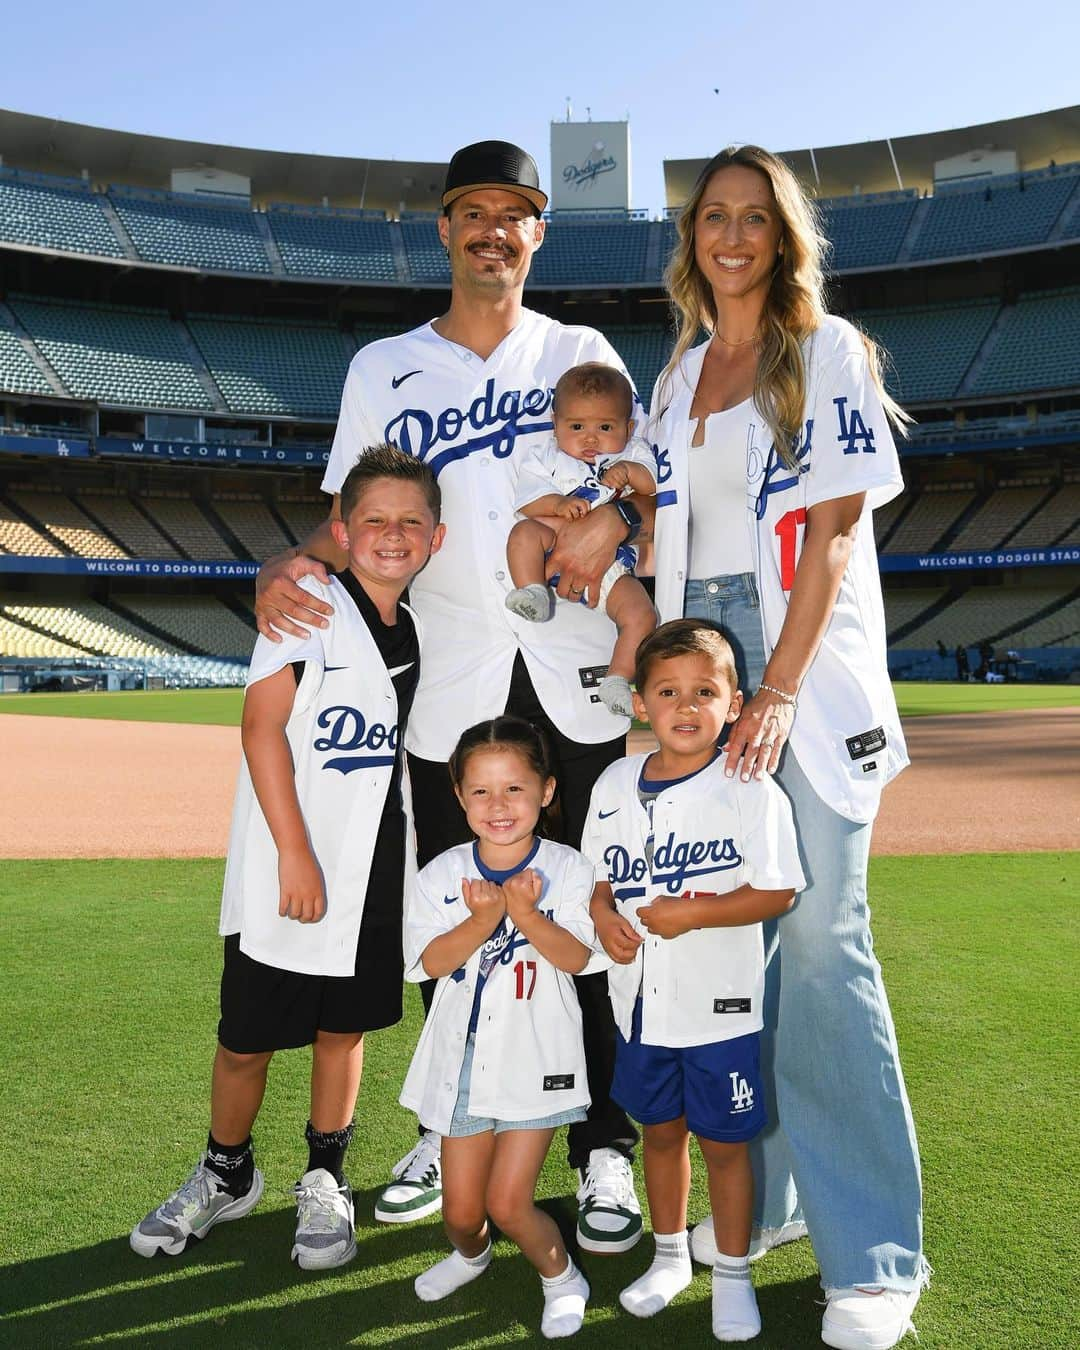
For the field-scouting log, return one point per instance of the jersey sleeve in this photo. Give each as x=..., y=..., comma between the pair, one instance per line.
x=426, y=918
x=355, y=430
x=593, y=838
x=268, y=657
x=535, y=479
x=853, y=449
x=638, y=451
x=770, y=846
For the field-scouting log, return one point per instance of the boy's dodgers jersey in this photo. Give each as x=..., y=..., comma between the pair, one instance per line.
x=473, y=421
x=529, y=1060
x=847, y=735
x=343, y=736
x=711, y=834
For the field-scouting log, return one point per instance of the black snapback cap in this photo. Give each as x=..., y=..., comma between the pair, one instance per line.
x=494, y=164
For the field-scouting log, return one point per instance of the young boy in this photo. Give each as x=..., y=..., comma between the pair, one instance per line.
x=319, y=823
x=688, y=864
x=586, y=464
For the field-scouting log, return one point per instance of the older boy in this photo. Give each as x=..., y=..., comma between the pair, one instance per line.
x=319, y=821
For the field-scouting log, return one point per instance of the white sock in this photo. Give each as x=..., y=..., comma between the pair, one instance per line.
x=565, y=1297
x=735, y=1315
x=454, y=1272
x=533, y=602
x=668, y=1275
x=616, y=696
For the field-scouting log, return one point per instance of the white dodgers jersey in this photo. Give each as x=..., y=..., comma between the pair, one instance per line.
x=473, y=422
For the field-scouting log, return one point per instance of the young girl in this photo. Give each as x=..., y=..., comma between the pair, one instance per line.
x=502, y=924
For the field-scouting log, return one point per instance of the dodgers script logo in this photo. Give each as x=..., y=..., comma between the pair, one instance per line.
x=770, y=474
x=673, y=862
x=348, y=729
x=496, y=421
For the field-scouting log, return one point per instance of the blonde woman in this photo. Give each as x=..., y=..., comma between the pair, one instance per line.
x=773, y=447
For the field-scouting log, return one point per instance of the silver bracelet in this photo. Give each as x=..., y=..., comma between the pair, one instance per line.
x=781, y=694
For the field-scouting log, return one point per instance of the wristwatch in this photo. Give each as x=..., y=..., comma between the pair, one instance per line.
x=632, y=516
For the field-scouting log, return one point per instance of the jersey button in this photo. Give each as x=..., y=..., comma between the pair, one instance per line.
x=500, y=576
x=493, y=515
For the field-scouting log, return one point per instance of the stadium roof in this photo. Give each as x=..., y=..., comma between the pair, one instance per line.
x=867, y=165
x=46, y=145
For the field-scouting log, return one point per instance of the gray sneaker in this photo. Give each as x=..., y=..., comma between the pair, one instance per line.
x=191, y=1211
x=325, y=1232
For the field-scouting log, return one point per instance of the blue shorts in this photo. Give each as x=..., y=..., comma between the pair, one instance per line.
x=717, y=1087
x=462, y=1125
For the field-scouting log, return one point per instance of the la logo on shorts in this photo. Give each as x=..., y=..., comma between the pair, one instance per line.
x=742, y=1094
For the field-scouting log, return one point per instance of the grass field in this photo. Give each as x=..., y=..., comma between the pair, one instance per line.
x=107, y=1009
x=221, y=707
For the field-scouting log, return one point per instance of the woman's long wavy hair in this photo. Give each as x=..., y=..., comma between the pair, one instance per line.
x=794, y=306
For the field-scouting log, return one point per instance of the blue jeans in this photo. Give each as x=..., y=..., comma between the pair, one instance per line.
x=733, y=603
x=847, y=1136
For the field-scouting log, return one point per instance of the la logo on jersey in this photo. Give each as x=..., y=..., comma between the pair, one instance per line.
x=496, y=421
x=742, y=1094
x=854, y=435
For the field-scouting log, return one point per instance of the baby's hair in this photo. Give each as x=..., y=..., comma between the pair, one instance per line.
x=387, y=461
x=685, y=637
x=502, y=733
x=595, y=380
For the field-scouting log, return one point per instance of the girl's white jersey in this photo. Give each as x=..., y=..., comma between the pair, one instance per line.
x=710, y=835
x=847, y=735
x=473, y=422
x=343, y=736
x=529, y=1060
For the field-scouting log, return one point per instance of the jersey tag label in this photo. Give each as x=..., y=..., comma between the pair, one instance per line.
x=731, y=1005
x=872, y=764
x=558, y=1082
x=590, y=677
x=866, y=743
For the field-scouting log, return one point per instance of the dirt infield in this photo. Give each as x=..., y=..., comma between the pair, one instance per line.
x=989, y=782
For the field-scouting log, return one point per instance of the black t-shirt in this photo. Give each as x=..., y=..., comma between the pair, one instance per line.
x=400, y=651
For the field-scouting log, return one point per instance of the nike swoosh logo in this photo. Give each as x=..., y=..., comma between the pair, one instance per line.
x=604, y=814
x=329, y=669
x=399, y=380
x=396, y=670
x=449, y=899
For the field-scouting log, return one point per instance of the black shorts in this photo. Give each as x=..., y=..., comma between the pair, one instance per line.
x=264, y=1008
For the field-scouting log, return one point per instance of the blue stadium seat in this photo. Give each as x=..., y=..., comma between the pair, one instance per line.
x=54, y=213
x=929, y=347
x=329, y=243
x=184, y=231
x=1038, y=346
x=274, y=368
x=993, y=215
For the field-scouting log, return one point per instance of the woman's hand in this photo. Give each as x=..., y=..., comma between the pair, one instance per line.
x=759, y=735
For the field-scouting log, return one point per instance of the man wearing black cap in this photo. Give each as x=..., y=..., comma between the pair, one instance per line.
x=470, y=393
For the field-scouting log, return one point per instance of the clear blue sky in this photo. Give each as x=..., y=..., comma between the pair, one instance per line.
x=416, y=79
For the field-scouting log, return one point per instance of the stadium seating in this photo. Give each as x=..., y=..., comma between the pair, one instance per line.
x=87, y=625
x=999, y=614
x=866, y=232
x=187, y=232
x=993, y=215
x=54, y=213
x=274, y=368
x=123, y=519
x=998, y=516
x=644, y=350
x=427, y=260
x=66, y=522
x=355, y=246
x=928, y=519
x=929, y=347
x=18, y=374
x=302, y=514
x=584, y=253
x=129, y=357
x=885, y=515
x=199, y=621
x=16, y=536
x=904, y=604
x=182, y=520
x=1038, y=345
x=251, y=521
x=19, y=641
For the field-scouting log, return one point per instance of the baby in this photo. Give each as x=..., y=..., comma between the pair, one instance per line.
x=586, y=464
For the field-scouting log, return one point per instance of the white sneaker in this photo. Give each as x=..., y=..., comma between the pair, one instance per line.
x=762, y=1240
x=191, y=1211
x=609, y=1216
x=867, y=1319
x=416, y=1190
x=325, y=1234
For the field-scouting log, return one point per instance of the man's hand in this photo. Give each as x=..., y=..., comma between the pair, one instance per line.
x=486, y=903
x=522, y=893
x=301, y=883
x=280, y=604
x=618, y=936
x=583, y=552
x=665, y=917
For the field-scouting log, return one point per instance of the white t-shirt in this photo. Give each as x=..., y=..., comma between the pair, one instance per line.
x=473, y=422
x=719, y=543
x=847, y=735
x=710, y=834
x=342, y=733
x=529, y=1059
